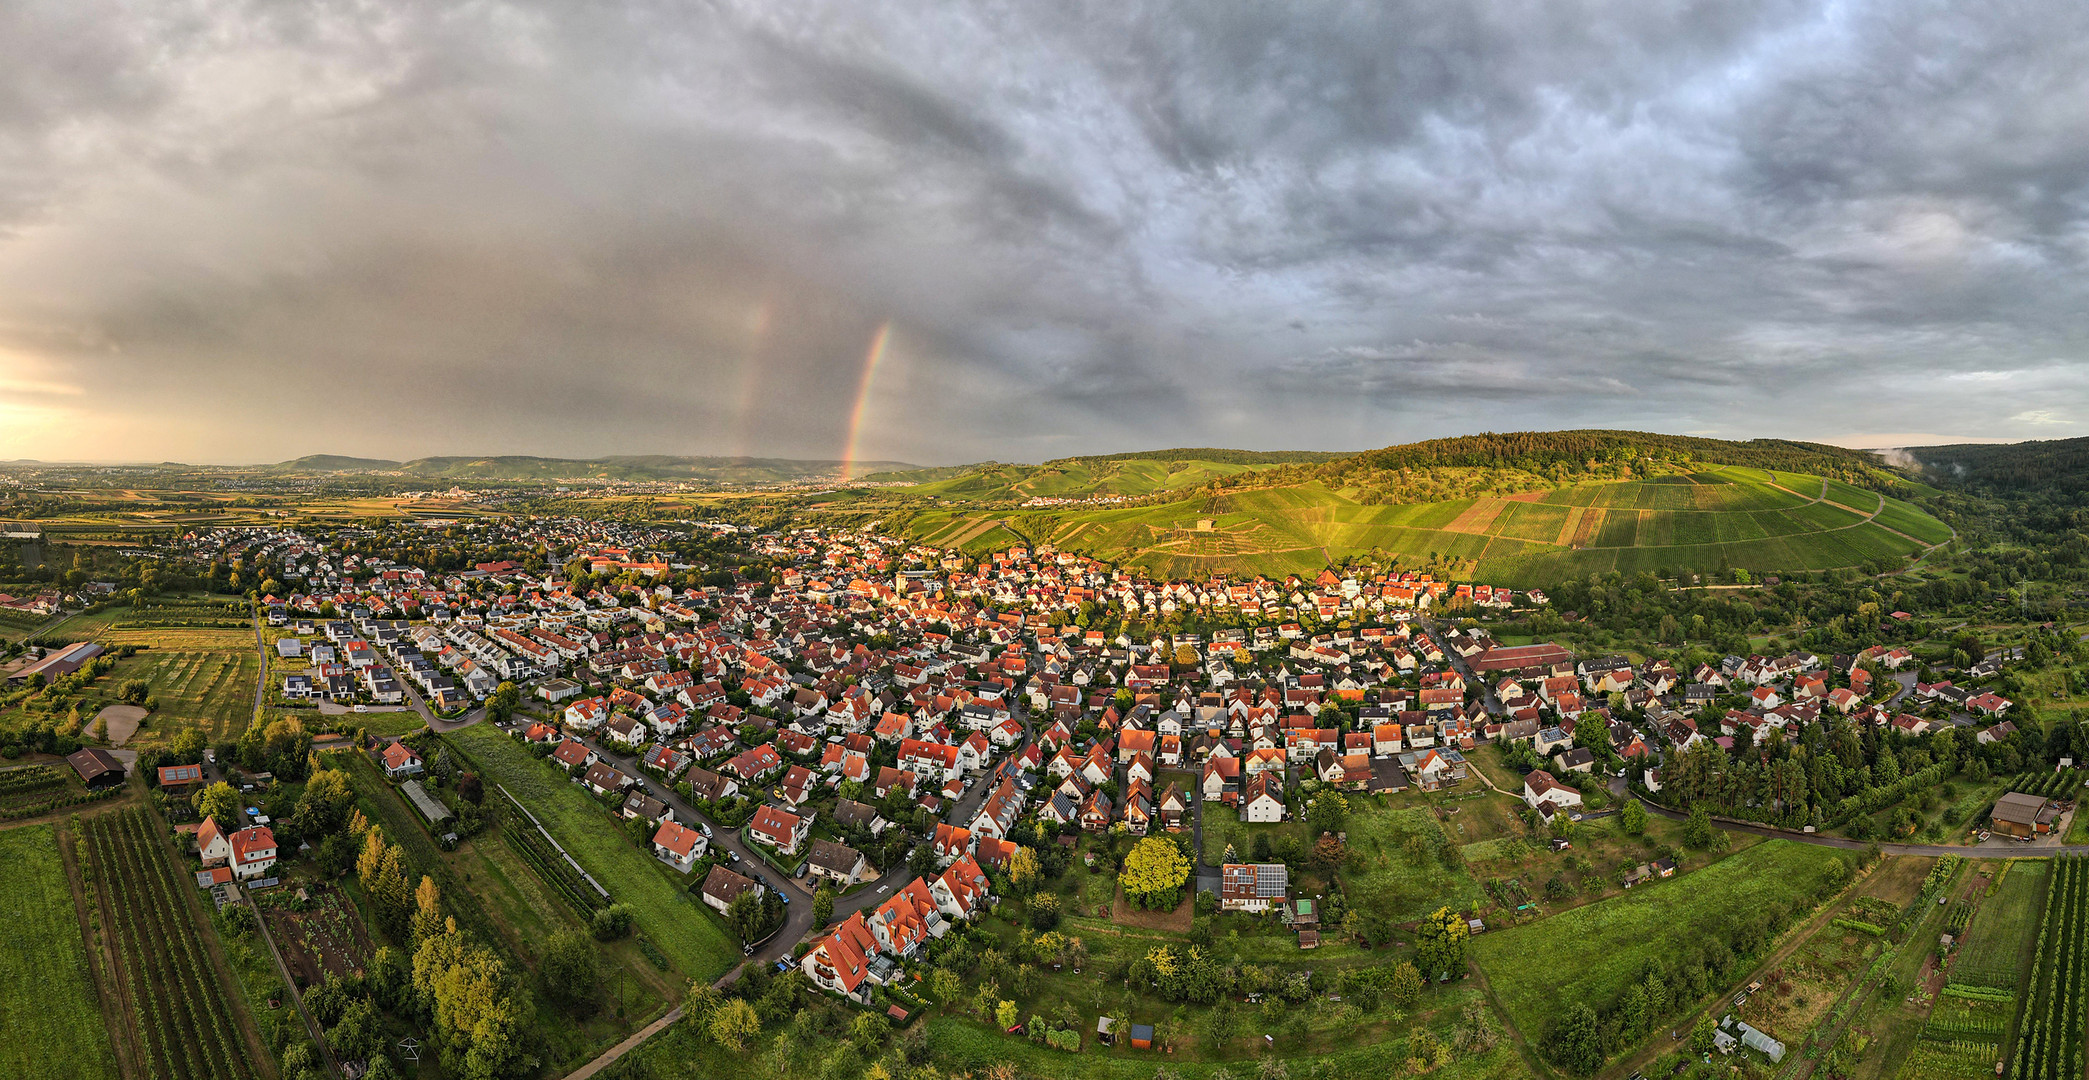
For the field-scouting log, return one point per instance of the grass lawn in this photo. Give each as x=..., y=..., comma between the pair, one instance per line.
x=1222, y=826
x=1380, y=877
x=387, y=723
x=47, y=1005
x=1590, y=953
x=666, y=912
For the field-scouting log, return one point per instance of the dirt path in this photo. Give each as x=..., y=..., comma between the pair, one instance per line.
x=115, y=1016
x=619, y=1050
x=127, y=1032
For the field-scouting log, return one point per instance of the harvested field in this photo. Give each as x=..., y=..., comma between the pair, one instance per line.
x=1478, y=517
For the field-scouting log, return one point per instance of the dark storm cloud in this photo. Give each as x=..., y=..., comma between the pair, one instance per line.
x=391, y=228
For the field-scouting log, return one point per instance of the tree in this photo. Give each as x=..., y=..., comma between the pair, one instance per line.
x=427, y=909
x=323, y=809
x=507, y=697
x=1023, y=871
x=219, y=801
x=1406, y=985
x=822, y=906
x=1633, y=818
x=1005, y=1014
x=1154, y=873
x=746, y=917
x=571, y=969
x=359, y=1033
x=1701, y=1041
x=1044, y=912
x=1329, y=852
x=1575, y=1043
x=612, y=922
x=1326, y=811
x=733, y=1023
x=1697, y=832
x=1440, y=942
x=382, y=871
x=868, y=1031
x=479, y=1018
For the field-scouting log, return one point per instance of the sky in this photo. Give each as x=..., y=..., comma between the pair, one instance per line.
x=247, y=231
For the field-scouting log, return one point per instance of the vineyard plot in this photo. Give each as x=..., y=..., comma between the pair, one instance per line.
x=184, y=1017
x=2049, y=1040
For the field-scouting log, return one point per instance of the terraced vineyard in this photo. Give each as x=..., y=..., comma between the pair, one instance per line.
x=1698, y=522
x=2049, y=1040
x=184, y=1017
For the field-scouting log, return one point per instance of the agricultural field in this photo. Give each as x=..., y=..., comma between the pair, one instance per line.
x=210, y=686
x=1590, y=953
x=2049, y=1039
x=2002, y=929
x=30, y=790
x=185, y=1021
x=319, y=935
x=666, y=913
x=1722, y=515
x=48, y=1009
x=1962, y=1038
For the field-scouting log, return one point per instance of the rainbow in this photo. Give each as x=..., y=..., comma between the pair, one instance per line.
x=871, y=360
x=751, y=377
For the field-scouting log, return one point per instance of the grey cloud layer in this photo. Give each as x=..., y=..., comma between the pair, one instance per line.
x=675, y=227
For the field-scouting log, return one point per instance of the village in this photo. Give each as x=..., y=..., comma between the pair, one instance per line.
x=868, y=747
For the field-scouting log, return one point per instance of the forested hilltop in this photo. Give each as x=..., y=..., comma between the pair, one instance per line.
x=2055, y=464
x=1493, y=463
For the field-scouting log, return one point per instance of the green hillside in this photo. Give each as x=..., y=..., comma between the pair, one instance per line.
x=1700, y=521
x=724, y=470
x=1127, y=475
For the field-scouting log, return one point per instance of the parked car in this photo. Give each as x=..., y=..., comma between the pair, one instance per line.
x=706, y=827
x=735, y=855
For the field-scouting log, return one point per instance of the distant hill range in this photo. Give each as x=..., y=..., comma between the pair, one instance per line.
x=2048, y=464
x=1520, y=508
x=728, y=470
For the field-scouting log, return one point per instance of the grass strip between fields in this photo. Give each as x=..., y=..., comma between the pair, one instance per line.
x=665, y=911
x=47, y=1005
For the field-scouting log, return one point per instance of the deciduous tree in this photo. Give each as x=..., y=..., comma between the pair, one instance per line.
x=1154, y=873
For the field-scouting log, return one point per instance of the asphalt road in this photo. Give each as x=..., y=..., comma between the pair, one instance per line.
x=1458, y=664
